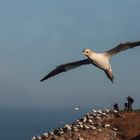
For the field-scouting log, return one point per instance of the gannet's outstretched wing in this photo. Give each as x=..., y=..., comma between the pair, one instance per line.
x=66, y=67
x=121, y=47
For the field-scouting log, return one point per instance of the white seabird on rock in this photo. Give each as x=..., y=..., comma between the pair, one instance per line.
x=46, y=134
x=107, y=125
x=107, y=110
x=99, y=111
x=94, y=110
x=39, y=138
x=100, y=60
x=33, y=138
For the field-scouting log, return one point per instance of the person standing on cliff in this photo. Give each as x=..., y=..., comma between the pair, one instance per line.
x=130, y=101
x=116, y=107
x=125, y=106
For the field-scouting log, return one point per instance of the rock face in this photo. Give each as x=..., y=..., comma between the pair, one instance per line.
x=96, y=125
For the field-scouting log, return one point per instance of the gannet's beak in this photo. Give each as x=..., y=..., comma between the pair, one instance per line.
x=83, y=50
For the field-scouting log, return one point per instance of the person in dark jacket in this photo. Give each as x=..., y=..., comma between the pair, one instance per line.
x=130, y=101
x=116, y=107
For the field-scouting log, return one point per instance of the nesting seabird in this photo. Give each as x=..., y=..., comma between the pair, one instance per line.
x=100, y=60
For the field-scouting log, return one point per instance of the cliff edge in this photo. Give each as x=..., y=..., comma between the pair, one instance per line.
x=99, y=125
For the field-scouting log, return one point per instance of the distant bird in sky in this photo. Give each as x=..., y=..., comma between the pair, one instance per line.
x=100, y=60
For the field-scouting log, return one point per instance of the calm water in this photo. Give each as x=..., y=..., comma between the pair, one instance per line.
x=23, y=123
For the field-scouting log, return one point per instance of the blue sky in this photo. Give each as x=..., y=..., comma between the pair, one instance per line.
x=36, y=36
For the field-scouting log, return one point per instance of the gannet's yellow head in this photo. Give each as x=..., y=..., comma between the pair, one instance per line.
x=87, y=52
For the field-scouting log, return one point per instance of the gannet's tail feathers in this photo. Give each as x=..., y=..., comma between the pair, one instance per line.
x=66, y=67
x=109, y=75
x=121, y=47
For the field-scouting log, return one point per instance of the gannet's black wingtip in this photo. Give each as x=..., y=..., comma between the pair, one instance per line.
x=42, y=79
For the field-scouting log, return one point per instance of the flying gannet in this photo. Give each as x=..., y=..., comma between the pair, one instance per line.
x=100, y=60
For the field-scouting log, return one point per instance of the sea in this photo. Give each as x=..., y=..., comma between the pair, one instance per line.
x=22, y=123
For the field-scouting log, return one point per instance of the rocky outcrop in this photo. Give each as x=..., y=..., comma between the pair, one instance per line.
x=99, y=125
x=94, y=125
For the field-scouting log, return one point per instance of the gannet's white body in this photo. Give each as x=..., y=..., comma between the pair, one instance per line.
x=100, y=60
